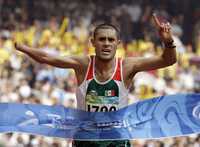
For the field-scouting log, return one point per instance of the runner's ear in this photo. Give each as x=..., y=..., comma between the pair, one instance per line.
x=119, y=41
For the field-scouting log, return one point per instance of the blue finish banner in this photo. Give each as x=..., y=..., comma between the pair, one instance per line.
x=165, y=116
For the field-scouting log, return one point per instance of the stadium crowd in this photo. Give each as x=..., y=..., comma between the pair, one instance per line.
x=64, y=27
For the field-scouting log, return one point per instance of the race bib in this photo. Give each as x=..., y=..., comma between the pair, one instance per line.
x=101, y=103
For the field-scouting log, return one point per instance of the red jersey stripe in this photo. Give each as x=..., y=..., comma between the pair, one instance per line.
x=117, y=75
x=90, y=71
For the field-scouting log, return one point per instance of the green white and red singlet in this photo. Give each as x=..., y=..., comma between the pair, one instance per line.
x=95, y=96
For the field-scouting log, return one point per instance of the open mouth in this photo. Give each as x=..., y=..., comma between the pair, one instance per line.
x=106, y=51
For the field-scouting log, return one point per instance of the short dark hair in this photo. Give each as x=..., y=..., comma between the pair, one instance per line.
x=106, y=26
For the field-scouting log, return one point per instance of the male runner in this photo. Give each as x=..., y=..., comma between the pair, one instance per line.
x=103, y=80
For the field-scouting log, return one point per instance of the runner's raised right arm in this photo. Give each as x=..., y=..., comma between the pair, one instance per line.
x=78, y=63
x=57, y=61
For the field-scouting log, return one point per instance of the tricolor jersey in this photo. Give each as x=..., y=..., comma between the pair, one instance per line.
x=95, y=96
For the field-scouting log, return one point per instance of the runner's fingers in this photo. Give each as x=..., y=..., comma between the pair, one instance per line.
x=156, y=20
x=168, y=27
x=162, y=27
x=165, y=27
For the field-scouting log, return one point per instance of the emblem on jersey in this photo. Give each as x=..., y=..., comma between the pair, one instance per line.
x=93, y=93
x=109, y=92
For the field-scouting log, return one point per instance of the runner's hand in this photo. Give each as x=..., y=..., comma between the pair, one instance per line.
x=164, y=29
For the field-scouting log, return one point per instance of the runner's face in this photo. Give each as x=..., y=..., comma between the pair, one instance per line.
x=105, y=43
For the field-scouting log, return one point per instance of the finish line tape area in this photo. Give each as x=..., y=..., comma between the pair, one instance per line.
x=165, y=116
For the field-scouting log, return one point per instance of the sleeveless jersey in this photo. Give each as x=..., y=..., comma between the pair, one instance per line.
x=95, y=96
